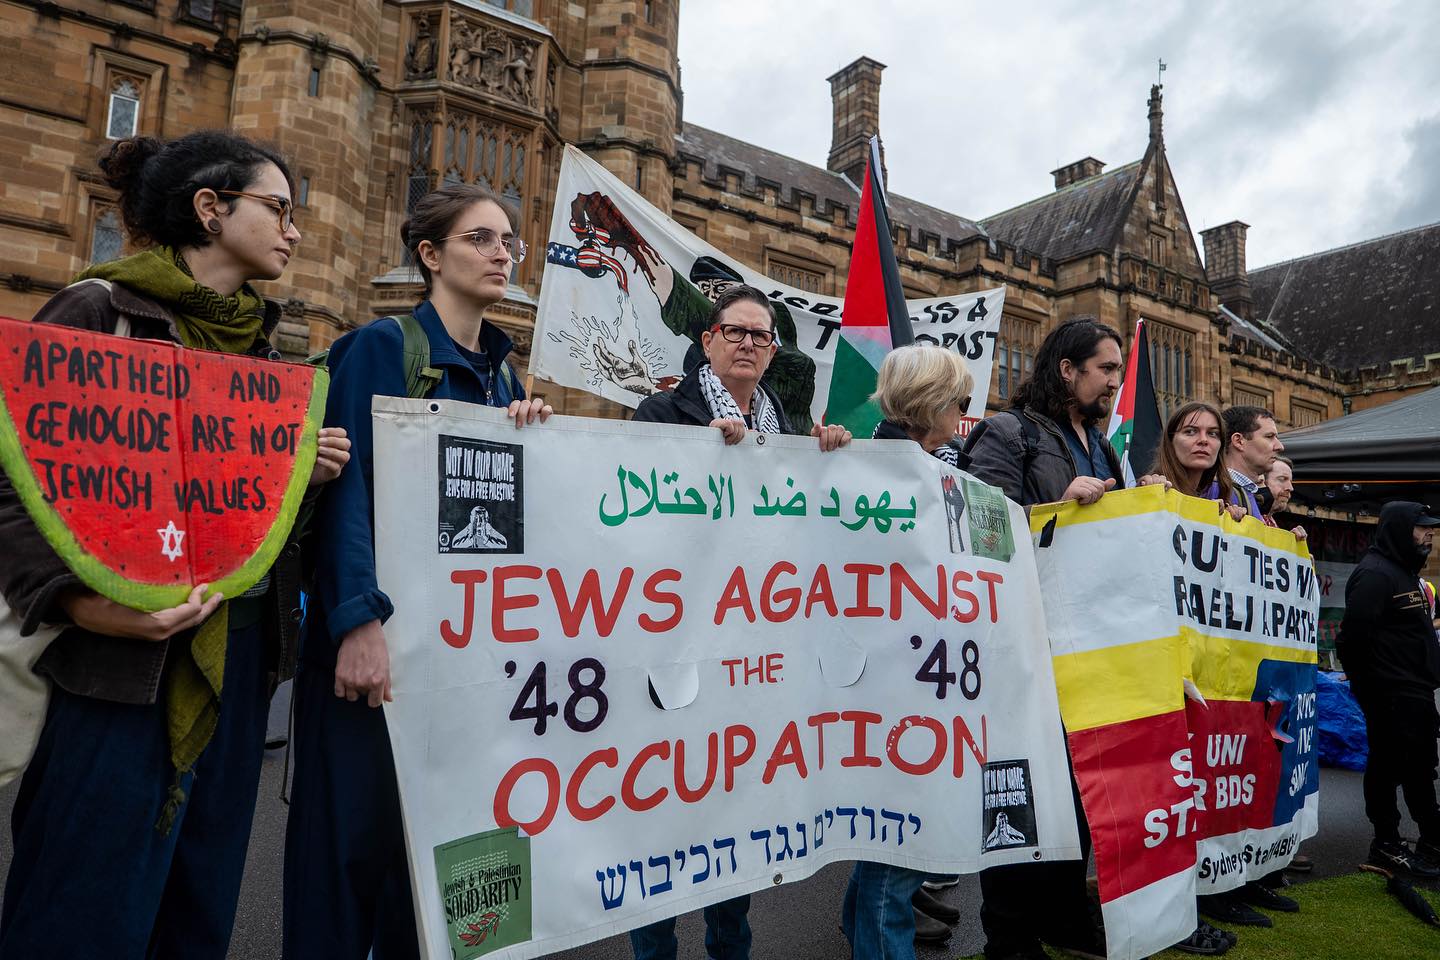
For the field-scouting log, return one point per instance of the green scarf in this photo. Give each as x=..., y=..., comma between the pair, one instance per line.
x=205, y=321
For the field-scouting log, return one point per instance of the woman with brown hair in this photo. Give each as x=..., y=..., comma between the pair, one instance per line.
x=347, y=883
x=1189, y=454
x=1189, y=457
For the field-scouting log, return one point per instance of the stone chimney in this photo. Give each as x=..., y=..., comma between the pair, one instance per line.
x=1225, y=267
x=1077, y=171
x=855, y=93
x=1157, y=115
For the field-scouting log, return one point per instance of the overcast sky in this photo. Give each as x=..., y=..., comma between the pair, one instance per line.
x=1317, y=123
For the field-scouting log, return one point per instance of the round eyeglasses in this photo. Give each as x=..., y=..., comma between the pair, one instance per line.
x=488, y=243
x=283, y=208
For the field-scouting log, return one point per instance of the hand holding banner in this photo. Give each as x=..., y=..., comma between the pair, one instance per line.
x=1185, y=648
x=150, y=467
x=638, y=671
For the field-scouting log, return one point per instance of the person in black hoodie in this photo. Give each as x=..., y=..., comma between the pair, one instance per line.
x=1388, y=647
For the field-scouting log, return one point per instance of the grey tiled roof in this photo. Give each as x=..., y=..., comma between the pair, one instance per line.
x=1367, y=303
x=1256, y=330
x=756, y=166
x=1081, y=218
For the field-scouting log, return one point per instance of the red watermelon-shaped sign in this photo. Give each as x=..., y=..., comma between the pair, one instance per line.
x=151, y=467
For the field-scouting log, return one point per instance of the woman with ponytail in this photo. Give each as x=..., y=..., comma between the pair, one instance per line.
x=347, y=881
x=133, y=817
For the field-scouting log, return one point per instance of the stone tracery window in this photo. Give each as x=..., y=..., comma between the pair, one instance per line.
x=1304, y=414
x=1245, y=395
x=1172, y=358
x=477, y=149
x=473, y=149
x=1015, y=353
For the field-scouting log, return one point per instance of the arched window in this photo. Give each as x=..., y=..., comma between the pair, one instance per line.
x=124, y=116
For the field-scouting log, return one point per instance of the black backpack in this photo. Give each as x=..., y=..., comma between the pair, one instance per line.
x=1028, y=428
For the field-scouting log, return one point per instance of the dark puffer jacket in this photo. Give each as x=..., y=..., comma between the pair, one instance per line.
x=33, y=577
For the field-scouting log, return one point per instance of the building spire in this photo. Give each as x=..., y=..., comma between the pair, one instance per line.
x=1157, y=115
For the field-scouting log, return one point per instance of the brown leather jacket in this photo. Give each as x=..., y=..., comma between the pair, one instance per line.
x=33, y=577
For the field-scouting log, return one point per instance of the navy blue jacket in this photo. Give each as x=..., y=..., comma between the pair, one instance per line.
x=365, y=363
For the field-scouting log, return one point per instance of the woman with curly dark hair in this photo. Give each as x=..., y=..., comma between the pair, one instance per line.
x=133, y=817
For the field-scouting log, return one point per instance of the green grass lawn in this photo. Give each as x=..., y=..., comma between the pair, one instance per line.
x=1340, y=918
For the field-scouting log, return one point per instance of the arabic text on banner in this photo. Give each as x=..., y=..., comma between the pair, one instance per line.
x=637, y=671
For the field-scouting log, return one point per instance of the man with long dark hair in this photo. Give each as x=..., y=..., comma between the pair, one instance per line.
x=1045, y=448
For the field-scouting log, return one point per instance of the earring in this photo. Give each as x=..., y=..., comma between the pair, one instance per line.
x=212, y=225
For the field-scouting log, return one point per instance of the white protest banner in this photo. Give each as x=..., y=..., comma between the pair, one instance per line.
x=626, y=291
x=847, y=648
x=1185, y=648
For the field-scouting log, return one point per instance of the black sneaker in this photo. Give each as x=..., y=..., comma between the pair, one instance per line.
x=932, y=906
x=1226, y=908
x=1263, y=897
x=1300, y=864
x=1089, y=945
x=1226, y=935
x=929, y=930
x=1206, y=941
x=1394, y=856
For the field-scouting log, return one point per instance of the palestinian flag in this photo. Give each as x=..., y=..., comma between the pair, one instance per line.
x=874, y=318
x=1135, y=422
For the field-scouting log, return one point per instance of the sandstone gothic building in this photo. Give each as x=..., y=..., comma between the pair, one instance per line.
x=377, y=101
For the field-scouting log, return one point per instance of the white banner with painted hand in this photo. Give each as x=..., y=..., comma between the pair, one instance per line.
x=627, y=290
x=637, y=671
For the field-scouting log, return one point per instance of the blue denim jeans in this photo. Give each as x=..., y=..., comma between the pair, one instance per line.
x=727, y=934
x=878, y=919
x=90, y=872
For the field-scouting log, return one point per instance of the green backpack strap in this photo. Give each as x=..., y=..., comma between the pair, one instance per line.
x=421, y=379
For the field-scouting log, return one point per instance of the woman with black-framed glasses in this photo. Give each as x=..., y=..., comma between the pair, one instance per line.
x=727, y=390
x=133, y=818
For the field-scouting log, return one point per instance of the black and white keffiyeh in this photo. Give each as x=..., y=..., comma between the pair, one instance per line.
x=723, y=406
x=949, y=452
